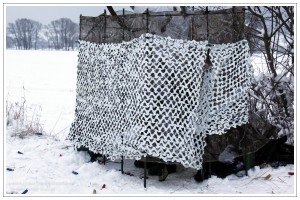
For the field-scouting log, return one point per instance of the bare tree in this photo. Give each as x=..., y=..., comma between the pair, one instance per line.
x=62, y=33
x=36, y=32
x=273, y=92
x=10, y=42
x=14, y=34
x=25, y=33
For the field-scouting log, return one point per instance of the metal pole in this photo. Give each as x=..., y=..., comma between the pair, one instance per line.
x=104, y=36
x=122, y=160
x=123, y=38
x=209, y=169
x=145, y=173
x=80, y=25
x=145, y=162
x=246, y=164
x=207, y=33
x=122, y=164
x=147, y=14
x=192, y=31
x=243, y=24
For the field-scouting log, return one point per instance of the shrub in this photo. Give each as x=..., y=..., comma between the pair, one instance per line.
x=23, y=120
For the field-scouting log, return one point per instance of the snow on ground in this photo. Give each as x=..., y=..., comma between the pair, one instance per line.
x=46, y=167
x=48, y=79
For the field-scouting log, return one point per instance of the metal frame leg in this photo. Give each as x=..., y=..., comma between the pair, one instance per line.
x=122, y=157
x=209, y=169
x=122, y=164
x=145, y=174
x=246, y=164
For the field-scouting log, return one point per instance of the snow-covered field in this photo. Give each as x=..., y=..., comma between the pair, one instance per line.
x=44, y=164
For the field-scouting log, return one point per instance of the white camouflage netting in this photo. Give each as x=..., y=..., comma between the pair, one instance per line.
x=156, y=96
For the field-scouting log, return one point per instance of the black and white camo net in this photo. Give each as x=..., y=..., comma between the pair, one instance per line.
x=157, y=96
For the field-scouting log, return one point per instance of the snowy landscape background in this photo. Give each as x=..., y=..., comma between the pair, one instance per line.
x=43, y=83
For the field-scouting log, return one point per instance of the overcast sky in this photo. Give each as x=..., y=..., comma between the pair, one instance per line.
x=45, y=14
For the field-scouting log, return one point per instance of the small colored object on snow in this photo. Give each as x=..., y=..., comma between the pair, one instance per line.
x=103, y=186
x=9, y=169
x=25, y=191
x=19, y=152
x=94, y=191
x=73, y=172
x=60, y=155
x=291, y=173
x=267, y=177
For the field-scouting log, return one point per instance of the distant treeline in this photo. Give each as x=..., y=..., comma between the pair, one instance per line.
x=26, y=34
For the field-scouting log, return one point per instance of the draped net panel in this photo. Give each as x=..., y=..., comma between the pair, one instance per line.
x=156, y=96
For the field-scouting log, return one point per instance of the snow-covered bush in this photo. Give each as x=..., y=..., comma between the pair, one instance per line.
x=273, y=89
x=267, y=100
